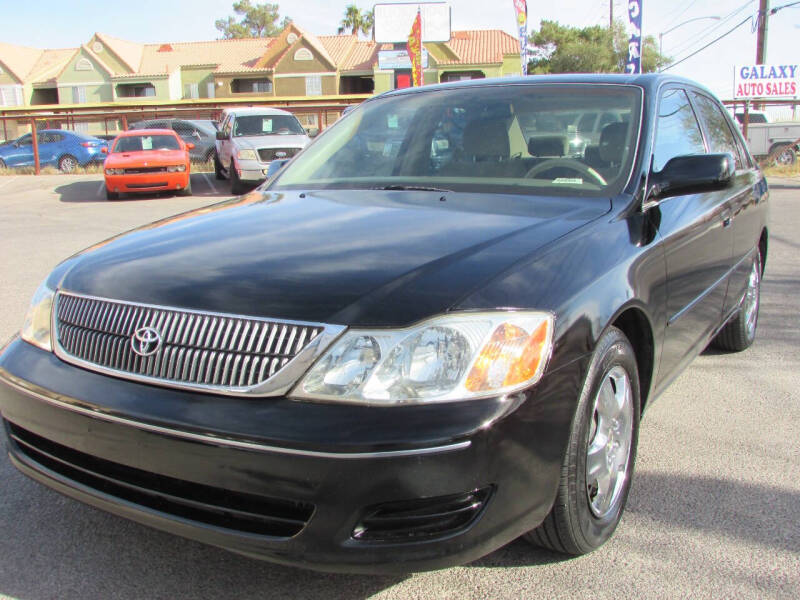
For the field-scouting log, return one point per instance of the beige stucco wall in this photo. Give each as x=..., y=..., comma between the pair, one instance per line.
x=296, y=86
x=289, y=65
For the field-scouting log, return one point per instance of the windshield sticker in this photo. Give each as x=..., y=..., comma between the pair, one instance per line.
x=569, y=180
x=266, y=125
x=391, y=121
x=147, y=143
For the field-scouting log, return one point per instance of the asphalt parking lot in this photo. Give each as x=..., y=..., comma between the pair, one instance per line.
x=714, y=511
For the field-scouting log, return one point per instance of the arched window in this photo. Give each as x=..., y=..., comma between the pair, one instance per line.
x=84, y=64
x=303, y=54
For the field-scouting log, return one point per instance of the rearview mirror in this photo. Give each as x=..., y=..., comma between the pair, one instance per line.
x=275, y=166
x=313, y=132
x=221, y=136
x=692, y=173
x=104, y=150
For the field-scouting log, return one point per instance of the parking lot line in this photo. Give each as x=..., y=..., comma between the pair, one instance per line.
x=210, y=183
x=100, y=189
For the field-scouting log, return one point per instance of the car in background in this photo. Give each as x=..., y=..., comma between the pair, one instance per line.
x=200, y=132
x=768, y=139
x=148, y=160
x=249, y=139
x=66, y=150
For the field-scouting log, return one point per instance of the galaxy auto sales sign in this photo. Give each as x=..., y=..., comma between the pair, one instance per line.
x=766, y=81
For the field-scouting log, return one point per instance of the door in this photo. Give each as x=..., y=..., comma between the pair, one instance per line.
x=20, y=153
x=48, y=147
x=225, y=147
x=742, y=196
x=698, y=247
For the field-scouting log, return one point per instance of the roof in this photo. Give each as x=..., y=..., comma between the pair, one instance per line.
x=19, y=60
x=255, y=110
x=480, y=46
x=227, y=55
x=50, y=63
x=130, y=53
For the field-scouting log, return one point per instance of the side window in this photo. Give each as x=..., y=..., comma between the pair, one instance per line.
x=720, y=137
x=227, y=127
x=26, y=140
x=182, y=128
x=677, y=131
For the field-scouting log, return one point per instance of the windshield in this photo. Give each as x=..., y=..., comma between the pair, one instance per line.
x=252, y=125
x=576, y=140
x=136, y=143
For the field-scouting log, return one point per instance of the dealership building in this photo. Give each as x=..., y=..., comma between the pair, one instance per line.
x=295, y=64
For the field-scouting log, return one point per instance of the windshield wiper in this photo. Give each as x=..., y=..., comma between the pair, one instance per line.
x=412, y=188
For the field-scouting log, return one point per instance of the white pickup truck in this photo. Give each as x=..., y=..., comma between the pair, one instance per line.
x=765, y=138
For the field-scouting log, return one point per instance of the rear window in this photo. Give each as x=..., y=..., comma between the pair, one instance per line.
x=137, y=143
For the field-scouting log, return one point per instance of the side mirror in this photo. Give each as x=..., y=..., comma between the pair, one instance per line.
x=196, y=134
x=313, y=132
x=275, y=166
x=692, y=173
x=221, y=136
x=190, y=146
x=104, y=150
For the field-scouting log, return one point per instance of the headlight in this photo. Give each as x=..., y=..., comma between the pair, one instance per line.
x=36, y=329
x=115, y=171
x=247, y=155
x=176, y=168
x=453, y=357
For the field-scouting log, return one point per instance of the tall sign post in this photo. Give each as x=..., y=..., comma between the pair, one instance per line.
x=634, y=64
x=521, y=9
x=415, y=50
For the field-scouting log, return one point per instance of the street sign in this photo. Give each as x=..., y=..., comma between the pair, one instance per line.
x=393, y=21
x=766, y=81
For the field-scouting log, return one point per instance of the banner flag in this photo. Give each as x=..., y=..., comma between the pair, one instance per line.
x=415, y=50
x=521, y=8
x=634, y=64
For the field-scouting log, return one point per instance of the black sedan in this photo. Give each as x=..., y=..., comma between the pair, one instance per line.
x=401, y=356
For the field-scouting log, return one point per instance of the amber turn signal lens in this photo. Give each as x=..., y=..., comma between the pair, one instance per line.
x=511, y=356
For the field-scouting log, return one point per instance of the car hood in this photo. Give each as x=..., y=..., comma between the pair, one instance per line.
x=271, y=141
x=153, y=158
x=351, y=257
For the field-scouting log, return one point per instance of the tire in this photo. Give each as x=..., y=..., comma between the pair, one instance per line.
x=218, y=168
x=583, y=518
x=187, y=191
x=739, y=333
x=787, y=156
x=67, y=163
x=237, y=187
x=111, y=195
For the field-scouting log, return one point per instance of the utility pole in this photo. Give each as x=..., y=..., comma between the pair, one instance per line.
x=611, y=14
x=761, y=43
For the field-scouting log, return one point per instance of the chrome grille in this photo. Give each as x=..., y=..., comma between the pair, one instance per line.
x=269, y=154
x=197, y=349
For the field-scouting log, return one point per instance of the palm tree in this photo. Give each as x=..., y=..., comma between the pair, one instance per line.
x=356, y=21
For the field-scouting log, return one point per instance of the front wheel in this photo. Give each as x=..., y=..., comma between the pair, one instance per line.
x=740, y=332
x=218, y=174
x=111, y=195
x=187, y=191
x=598, y=465
x=786, y=155
x=237, y=187
x=67, y=163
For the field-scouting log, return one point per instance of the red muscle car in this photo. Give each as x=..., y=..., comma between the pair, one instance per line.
x=148, y=160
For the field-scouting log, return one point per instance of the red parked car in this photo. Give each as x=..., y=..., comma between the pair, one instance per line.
x=148, y=160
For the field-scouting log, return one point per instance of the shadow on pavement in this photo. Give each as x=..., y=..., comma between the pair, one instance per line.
x=95, y=191
x=752, y=513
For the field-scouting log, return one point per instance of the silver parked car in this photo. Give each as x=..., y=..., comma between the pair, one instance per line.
x=249, y=139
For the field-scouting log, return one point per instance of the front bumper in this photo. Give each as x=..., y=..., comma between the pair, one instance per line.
x=328, y=463
x=147, y=182
x=251, y=170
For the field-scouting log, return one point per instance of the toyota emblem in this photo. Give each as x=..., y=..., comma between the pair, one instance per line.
x=145, y=341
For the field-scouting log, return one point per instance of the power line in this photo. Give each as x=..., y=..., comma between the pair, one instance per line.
x=700, y=36
x=681, y=13
x=714, y=41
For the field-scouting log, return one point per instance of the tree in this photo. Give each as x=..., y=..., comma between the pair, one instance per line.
x=356, y=21
x=595, y=49
x=253, y=20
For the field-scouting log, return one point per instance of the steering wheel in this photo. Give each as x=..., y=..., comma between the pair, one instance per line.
x=567, y=163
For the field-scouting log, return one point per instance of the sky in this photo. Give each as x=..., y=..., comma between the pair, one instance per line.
x=59, y=24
